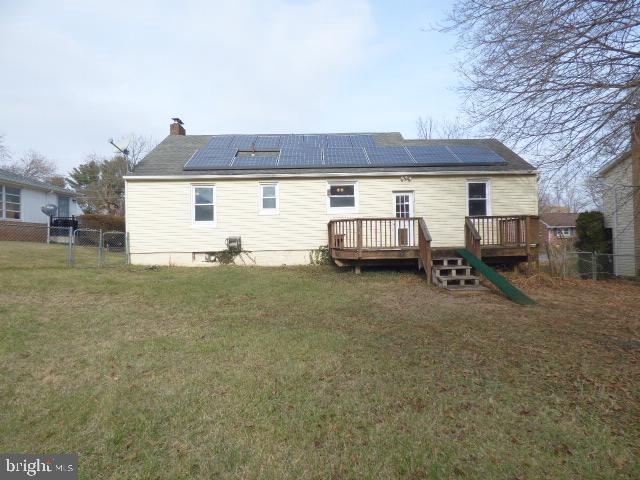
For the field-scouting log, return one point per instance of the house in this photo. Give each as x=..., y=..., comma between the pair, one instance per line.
x=367, y=196
x=620, y=181
x=21, y=199
x=558, y=228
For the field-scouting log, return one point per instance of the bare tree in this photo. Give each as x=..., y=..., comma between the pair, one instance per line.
x=558, y=79
x=429, y=128
x=560, y=194
x=5, y=153
x=138, y=147
x=33, y=164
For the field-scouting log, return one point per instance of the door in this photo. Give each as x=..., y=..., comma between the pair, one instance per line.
x=403, y=202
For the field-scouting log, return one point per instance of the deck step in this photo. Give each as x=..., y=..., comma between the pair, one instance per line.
x=451, y=271
x=466, y=288
x=447, y=261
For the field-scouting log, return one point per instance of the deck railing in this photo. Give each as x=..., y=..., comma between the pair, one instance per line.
x=506, y=231
x=472, y=239
x=373, y=233
x=424, y=245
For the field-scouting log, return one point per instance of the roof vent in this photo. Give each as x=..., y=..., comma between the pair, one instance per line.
x=176, y=127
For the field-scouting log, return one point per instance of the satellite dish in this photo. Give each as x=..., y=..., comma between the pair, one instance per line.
x=122, y=145
x=49, y=209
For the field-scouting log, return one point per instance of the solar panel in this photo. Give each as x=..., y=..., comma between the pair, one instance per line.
x=472, y=154
x=345, y=157
x=433, y=155
x=300, y=157
x=221, y=141
x=315, y=141
x=362, y=141
x=389, y=156
x=268, y=141
x=243, y=141
x=307, y=151
x=292, y=140
x=211, y=157
x=257, y=161
x=338, y=141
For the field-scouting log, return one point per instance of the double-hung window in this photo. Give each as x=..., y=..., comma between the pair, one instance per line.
x=10, y=202
x=269, y=202
x=478, y=199
x=343, y=197
x=204, y=204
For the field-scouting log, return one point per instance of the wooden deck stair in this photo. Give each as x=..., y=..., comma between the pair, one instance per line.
x=453, y=273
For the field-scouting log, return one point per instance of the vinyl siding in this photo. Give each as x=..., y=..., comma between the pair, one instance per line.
x=159, y=213
x=618, y=212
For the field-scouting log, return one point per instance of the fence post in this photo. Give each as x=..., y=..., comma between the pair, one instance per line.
x=594, y=266
x=100, y=252
x=70, y=249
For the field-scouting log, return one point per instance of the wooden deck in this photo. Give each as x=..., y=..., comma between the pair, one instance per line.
x=358, y=241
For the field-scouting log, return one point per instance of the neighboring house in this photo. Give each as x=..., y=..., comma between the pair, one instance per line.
x=21, y=199
x=558, y=228
x=279, y=192
x=621, y=181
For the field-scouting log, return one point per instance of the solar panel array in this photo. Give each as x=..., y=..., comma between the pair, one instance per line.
x=226, y=152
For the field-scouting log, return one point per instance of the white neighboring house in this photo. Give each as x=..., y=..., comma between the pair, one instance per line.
x=281, y=194
x=21, y=199
x=621, y=211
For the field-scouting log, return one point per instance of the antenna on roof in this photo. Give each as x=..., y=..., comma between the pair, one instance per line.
x=122, y=146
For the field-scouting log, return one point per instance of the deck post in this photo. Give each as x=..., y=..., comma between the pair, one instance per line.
x=359, y=237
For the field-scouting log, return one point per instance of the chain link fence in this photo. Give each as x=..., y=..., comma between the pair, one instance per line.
x=588, y=265
x=39, y=245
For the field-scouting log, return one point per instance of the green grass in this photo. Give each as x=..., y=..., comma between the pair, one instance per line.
x=236, y=372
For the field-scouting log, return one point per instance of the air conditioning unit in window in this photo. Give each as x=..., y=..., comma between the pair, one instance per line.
x=234, y=243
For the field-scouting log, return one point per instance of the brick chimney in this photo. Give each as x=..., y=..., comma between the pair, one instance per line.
x=176, y=127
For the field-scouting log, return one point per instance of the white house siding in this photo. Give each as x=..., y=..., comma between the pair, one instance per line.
x=159, y=214
x=618, y=212
x=31, y=202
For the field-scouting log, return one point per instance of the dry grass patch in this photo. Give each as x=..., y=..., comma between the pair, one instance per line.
x=315, y=373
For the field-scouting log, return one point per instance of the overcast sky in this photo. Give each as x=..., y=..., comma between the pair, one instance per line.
x=75, y=73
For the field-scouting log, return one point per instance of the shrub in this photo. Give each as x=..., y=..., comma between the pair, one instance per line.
x=592, y=236
x=106, y=223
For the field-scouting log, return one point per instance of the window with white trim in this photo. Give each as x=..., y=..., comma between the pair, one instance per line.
x=478, y=198
x=565, y=232
x=10, y=200
x=204, y=204
x=269, y=202
x=343, y=197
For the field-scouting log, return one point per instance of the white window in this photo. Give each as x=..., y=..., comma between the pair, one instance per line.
x=10, y=202
x=269, y=201
x=342, y=197
x=565, y=232
x=204, y=204
x=478, y=198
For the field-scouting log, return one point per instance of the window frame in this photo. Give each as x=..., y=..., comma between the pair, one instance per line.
x=3, y=203
x=356, y=197
x=261, y=197
x=203, y=223
x=487, y=198
x=68, y=200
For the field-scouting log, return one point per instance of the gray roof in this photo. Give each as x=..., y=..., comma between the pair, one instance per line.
x=21, y=180
x=170, y=156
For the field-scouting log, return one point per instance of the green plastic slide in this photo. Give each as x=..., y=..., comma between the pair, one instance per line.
x=508, y=288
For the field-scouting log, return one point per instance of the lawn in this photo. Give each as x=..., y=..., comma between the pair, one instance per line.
x=282, y=373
